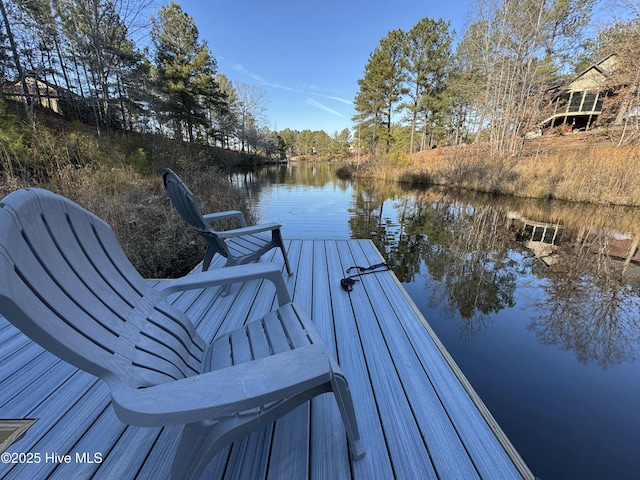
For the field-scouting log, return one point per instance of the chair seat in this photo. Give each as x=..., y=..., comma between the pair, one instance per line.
x=283, y=330
x=248, y=244
x=280, y=331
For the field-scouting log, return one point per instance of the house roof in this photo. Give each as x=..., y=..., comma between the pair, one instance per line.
x=594, y=75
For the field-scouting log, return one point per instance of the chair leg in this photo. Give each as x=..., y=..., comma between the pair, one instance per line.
x=342, y=394
x=208, y=256
x=280, y=242
x=201, y=441
x=194, y=452
x=286, y=260
x=226, y=288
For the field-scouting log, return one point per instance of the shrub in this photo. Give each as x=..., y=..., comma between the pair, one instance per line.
x=421, y=178
x=345, y=172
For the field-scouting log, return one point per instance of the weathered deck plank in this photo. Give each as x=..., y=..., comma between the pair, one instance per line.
x=351, y=357
x=418, y=416
x=406, y=447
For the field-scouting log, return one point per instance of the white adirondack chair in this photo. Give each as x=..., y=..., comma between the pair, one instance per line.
x=67, y=284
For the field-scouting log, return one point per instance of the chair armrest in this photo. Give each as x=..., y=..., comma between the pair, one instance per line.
x=236, y=232
x=224, y=276
x=229, y=214
x=223, y=392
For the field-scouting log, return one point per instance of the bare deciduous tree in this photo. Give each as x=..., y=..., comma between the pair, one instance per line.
x=252, y=106
x=522, y=43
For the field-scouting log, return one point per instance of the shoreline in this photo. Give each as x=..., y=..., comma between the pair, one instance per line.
x=581, y=169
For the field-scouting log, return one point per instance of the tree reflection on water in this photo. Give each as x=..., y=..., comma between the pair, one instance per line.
x=473, y=246
x=593, y=307
x=575, y=269
x=474, y=271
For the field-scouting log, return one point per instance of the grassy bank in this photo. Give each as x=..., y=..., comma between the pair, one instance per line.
x=578, y=168
x=118, y=179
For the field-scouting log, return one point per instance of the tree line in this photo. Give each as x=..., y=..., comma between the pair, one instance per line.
x=85, y=54
x=417, y=92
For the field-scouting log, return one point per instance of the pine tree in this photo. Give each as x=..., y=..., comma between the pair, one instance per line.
x=98, y=36
x=381, y=89
x=427, y=54
x=185, y=71
x=227, y=116
x=466, y=82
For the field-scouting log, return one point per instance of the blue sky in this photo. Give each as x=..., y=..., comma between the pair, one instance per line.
x=307, y=56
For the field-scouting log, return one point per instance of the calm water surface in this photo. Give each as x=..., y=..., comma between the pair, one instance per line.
x=538, y=302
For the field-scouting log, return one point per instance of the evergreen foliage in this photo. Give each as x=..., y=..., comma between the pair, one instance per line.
x=427, y=51
x=381, y=89
x=80, y=58
x=184, y=72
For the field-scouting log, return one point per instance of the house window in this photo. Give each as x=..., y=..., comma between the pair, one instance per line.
x=561, y=103
x=589, y=102
x=576, y=101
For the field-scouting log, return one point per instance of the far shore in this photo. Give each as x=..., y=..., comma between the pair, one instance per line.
x=580, y=167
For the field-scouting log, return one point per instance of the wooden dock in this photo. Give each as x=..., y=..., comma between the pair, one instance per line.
x=419, y=418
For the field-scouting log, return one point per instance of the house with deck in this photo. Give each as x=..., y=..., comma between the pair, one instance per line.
x=54, y=98
x=579, y=103
x=41, y=93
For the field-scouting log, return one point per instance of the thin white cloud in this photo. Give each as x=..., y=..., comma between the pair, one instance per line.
x=316, y=104
x=260, y=79
x=239, y=68
x=273, y=85
x=256, y=77
x=337, y=99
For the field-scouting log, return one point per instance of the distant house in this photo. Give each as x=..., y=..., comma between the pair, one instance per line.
x=40, y=92
x=579, y=103
x=59, y=100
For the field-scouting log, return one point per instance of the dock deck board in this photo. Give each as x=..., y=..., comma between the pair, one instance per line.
x=419, y=417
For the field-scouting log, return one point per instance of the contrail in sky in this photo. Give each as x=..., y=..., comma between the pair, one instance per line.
x=337, y=99
x=315, y=103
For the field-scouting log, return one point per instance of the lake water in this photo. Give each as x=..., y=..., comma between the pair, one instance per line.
x=538, y=302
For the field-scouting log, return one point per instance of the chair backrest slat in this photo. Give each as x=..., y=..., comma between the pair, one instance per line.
x=67, y=284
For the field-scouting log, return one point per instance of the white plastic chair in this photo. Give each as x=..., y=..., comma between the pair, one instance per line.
x=67, y=284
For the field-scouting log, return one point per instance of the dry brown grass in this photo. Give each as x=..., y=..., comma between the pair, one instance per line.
x=119, y=180
x=600, y=174
x=578, y=168
x=117, y=177
x=150, y=231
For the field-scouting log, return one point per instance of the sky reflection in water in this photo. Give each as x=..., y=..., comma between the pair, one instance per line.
x=544, y=325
